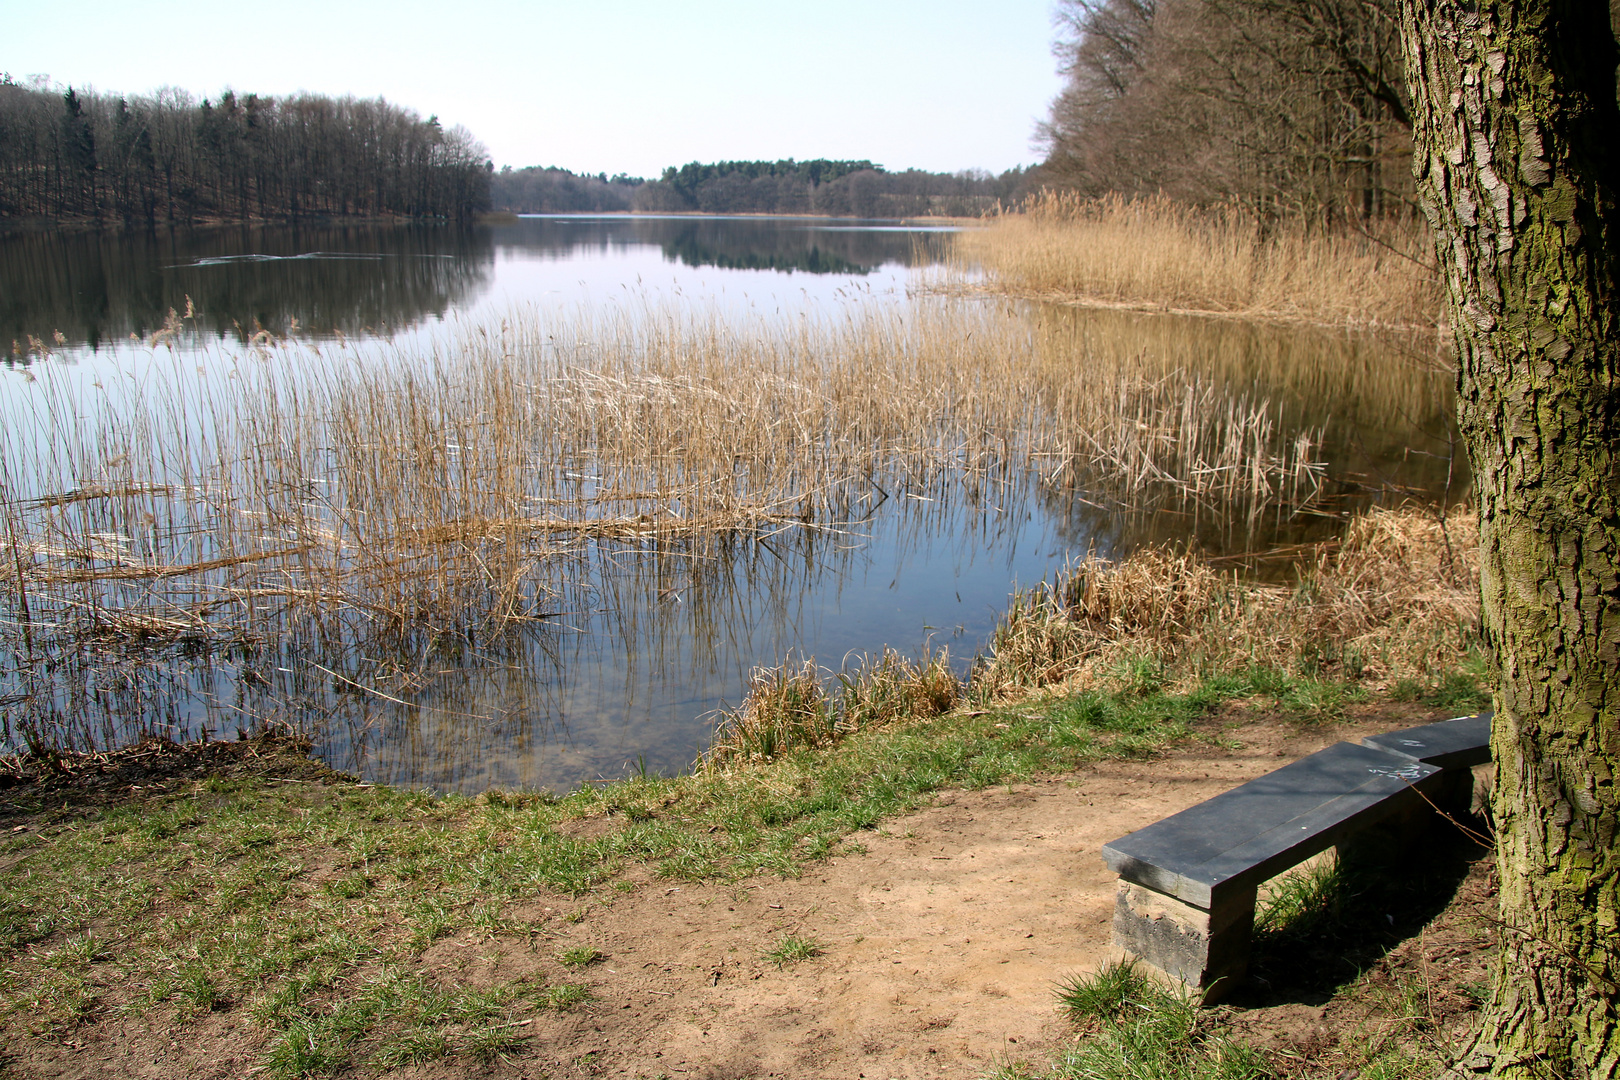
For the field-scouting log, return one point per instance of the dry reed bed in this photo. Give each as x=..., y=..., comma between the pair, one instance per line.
x=1396, y=598
x=1155, y=254
x=295, y=488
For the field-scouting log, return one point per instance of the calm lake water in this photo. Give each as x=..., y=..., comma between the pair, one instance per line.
x=657, y=634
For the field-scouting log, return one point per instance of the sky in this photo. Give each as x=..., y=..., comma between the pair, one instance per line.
x=598, y=85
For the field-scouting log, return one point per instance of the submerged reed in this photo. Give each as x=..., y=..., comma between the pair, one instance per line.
x=1155, y=254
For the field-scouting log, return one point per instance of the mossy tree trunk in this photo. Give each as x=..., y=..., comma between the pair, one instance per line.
x=1517, y=138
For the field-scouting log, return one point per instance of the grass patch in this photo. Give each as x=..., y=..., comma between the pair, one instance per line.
x=1139, y=1029
x=308, y=906
x=1107, y=996
x=792, y=949
x=1460, y=688
x=578, y=958
x=394, y=1019
x=564, y=996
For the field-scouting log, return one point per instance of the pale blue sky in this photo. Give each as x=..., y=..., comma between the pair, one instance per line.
x=626, y=86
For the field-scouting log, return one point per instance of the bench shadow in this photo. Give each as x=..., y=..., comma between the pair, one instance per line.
x=1321, y=926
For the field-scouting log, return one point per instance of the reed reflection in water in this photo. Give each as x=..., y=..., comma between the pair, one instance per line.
x=656, y=635
x=1382, y=402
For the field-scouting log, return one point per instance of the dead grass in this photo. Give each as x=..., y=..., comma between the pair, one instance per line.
x=1396, y=598
x=1394, y=602
x=789, y=707
x=1154, y=254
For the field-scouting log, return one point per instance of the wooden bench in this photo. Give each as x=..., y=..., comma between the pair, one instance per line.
x=1187, y=884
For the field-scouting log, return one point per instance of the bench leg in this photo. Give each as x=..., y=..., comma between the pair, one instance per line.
x=1208, y=951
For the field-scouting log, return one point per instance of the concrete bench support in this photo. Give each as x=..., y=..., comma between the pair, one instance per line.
x=1205, y=948
x=1187, y=883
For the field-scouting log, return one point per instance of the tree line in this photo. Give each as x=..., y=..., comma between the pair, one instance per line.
x=1289, y=106
x=550, y=190
x=816, y=186
x=80, y=156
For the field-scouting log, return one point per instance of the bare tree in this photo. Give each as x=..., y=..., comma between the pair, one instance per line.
x=1288, y=105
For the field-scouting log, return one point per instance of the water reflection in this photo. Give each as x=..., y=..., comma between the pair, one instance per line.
x=807, y=245
x=1380, y=405
x=653, y=638
x=67, y=289
x=97, y=288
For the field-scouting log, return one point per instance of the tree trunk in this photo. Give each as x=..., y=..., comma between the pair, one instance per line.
x=1516, y=138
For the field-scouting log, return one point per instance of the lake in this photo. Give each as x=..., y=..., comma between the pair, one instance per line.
x=629, y=632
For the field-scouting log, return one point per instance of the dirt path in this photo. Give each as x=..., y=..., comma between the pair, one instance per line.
x=942, y=943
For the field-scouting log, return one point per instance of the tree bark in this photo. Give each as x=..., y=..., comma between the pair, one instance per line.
x=1516, y=134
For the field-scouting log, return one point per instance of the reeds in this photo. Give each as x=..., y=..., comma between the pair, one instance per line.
x=1396, y=599
x=788, y=707
x=329, y=493
x=1154, y=254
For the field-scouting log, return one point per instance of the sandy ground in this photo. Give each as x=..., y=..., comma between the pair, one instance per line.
x=941, y=945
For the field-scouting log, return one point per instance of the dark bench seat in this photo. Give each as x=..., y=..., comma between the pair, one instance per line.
x=1451, y=744
x=1188, y=883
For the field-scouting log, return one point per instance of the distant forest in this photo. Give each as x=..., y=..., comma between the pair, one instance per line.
x=166, y=158
x=838, y=188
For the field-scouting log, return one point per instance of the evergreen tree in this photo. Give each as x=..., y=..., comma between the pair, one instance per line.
x=79, y=154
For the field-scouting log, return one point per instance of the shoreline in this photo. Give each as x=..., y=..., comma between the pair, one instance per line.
x=944, y=861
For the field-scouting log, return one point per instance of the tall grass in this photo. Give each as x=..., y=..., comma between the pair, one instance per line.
x=788, y=707
x=1140, y=1028
x=1395, y=599
x=328, y=492
x=1155, y=254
